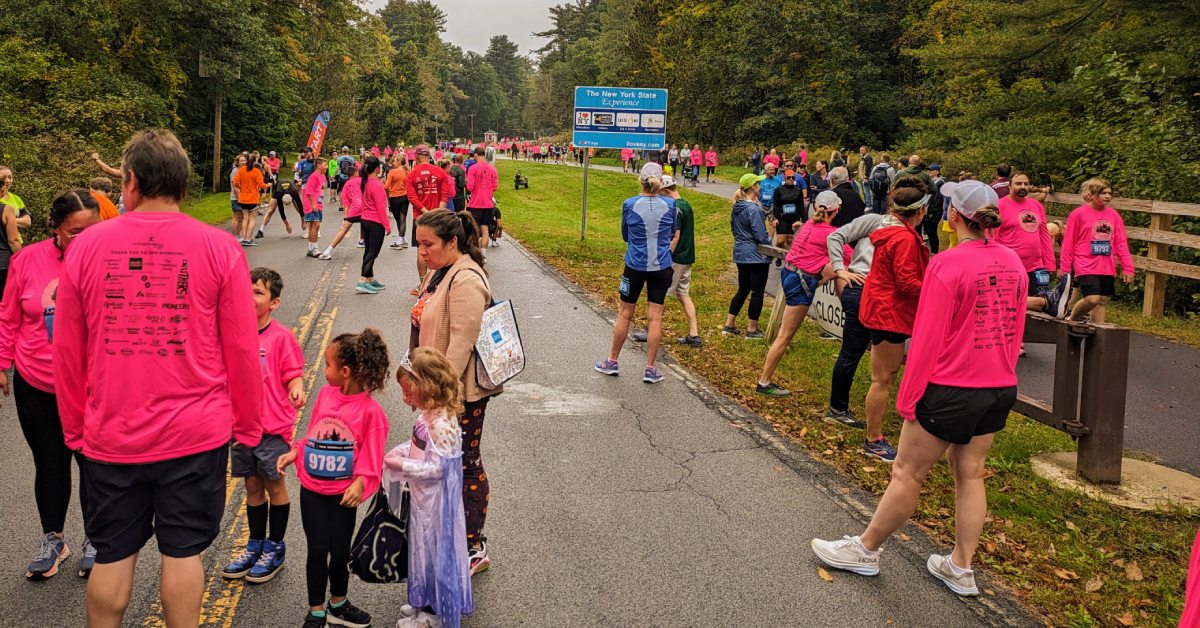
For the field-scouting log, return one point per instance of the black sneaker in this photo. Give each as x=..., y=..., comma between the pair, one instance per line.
x=844, y=417
x=347, y=615
x=312, y=621
x=732, y=331
x=639, y=336
x=771, y=390
x=755, y=335
x=692, y=341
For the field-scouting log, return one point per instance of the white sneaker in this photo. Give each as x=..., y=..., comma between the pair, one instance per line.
x=942, y=569
x=325, y=255
x=849, y=554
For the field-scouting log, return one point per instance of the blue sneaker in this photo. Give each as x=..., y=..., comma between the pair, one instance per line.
x=45, y=564
x=269, y=562
x=880, y=449
x=652, y=375
x=241, y=565
x=365, y=288
x=608, y=367
x=377, y=285
x=89, y=558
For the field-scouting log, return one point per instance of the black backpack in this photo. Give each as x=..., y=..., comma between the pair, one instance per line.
x=879, y=181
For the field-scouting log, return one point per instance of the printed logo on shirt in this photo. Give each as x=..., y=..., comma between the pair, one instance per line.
x=329, y=451
x=1102, y=230
x=49, y=301
x=1028, y=220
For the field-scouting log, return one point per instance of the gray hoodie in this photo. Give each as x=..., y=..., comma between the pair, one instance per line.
x=864, y=250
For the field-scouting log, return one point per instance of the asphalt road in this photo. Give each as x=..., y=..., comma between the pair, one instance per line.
x=614, y=503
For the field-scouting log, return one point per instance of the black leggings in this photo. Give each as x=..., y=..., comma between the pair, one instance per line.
x=37, y=411
x=476, y=489
x=929, y=227
x=752, y=281
x=328, y=529
x=399, y=208
x=372, y=235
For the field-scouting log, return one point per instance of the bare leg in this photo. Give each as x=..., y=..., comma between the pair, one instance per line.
x=237, y=224
x=313, y=229
x=337, y=239
x=621, y=329
x=918, y=452
x=1086, y=305
x=1035, y=304
x=793, y=315
x=485, y=239
x=970, y=498
x=182, y=590
x=248, y=219
x=885, y=364
x=689, y=309
x=256, y=495
x=653, y=331
x=108, y=591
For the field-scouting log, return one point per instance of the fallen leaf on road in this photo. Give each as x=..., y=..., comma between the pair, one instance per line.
x=989, y=592
x=1070, y=526
x=1120, y=562
x=828, y=578
x=803, y=432
x=1093, y=584
x=844, y=491
x=1126, y=619
x=1133, y=572
x=868, y=469
x=1066, y=575
x=905, y=537
x=989, y=547
x=828, y=452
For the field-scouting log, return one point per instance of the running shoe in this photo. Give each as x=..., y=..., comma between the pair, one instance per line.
x=652, y=375
x=608, y=367
x=259, y=234
x=89, y=558
x=403, y=243
x=477, y=557
x=378, y=285
x=243, y=243
x=395, y=244
x=771, y=390
x=1057, y=299
x=347, y=615
x=251, y=243
x=942, y=569
x=325, y=255
x=495, y=243
x=45, y=564
x=844, y=417
x=313, y=621
x=269, y=562
x=824, y=335
x=639, y=336
x=849, y=554
x=365, y=288
x=755, y=335
x=245, y=561
x=692, y=341
x=361, y=244
x=731, y=331
x=313, y=253
x=880, y=449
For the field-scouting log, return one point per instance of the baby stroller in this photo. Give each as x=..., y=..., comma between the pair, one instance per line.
x=691, y=175
x=520, y=181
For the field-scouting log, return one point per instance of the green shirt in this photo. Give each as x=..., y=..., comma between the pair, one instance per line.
x=19, y=210
x=685, y=251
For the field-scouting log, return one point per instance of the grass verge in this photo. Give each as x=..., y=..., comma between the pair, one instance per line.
x=212, y=208
x=1075, y=561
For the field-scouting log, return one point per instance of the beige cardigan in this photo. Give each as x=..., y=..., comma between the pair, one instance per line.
x=451, y=320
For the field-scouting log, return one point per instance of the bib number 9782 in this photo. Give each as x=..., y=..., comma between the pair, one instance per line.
x=328, y=459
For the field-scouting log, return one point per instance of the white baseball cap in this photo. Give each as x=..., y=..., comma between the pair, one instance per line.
x=668, y=181
x=651, y=169
x=970, y=196
x=829, y=198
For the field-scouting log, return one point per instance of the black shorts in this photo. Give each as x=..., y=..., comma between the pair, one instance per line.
x=893, y=337
x=484, y=217
x=247, y=207
x=352, y=219
x=956, y=414
x=1093, y=285
x=260, y=460
x=710, y=169
x=657, y=283
x=180, y=502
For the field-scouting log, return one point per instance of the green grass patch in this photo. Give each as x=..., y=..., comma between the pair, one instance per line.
x=1183, y=329
x=1044, y=544
x=212, y=208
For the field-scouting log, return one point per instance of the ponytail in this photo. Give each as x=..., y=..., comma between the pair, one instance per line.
x=370, y=165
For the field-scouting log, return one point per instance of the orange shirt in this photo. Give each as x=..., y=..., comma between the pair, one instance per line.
x=248, y=181
x=108, y=209
x=396, y=183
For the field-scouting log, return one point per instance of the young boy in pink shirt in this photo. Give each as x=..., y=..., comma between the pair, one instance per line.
x=282, y=362
x=313, y=205
x=1095, y=233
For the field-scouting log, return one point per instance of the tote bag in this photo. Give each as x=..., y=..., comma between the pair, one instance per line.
x=380, y=550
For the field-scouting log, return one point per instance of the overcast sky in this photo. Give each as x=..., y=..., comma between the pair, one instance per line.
x=471, y=23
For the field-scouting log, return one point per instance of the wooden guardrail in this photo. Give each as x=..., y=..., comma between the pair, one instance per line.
x=1160, y=238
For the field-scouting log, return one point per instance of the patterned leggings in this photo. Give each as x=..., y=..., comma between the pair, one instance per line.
x=476, y=489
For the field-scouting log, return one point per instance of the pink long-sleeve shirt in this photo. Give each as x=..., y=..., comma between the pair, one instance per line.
x=809, y=251
x=375, y=204
x=697, y=158
x=282, y=360
x=1023, y=229
x=27, y=314
x=482, y=182
x=352, y=197
x=354, y=420
x=1091, y=241
x=156, y=350
x=969, y=322
x=710, y=158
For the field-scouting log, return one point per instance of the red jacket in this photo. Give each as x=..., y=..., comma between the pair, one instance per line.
x=889, y=300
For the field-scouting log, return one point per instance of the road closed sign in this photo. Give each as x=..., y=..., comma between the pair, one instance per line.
x=620, y=117
x=826, y=309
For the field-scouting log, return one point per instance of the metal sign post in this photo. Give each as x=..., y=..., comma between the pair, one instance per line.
x=617, y=117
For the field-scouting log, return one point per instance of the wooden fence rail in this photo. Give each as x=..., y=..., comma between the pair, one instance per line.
x=1160, y=238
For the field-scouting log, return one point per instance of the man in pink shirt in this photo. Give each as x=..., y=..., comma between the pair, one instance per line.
x=1023, y=229
x=156, y=368
x=482, y=181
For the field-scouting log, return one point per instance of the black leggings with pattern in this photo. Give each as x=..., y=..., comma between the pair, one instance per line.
x=476, y=489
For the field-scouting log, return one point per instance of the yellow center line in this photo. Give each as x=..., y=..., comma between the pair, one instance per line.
x=221, y=596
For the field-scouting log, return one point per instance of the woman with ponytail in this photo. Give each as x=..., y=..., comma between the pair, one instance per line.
x=889, y=300
x=26, y=333
x=375, y=224
x=958, y=388
x=447, y=317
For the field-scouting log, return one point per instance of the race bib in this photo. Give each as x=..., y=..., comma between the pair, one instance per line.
x=624, y=287
x=1041, y=277
x=329, y=459
x=789, y=208
x=1101, y=247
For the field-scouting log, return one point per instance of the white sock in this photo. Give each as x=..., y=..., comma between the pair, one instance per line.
x=858, y=541
x=312, y=246
x=955, y=569
x=329, y=250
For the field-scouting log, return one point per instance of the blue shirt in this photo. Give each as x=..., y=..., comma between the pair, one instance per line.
x=647, y=226
x=766, y=191
x=305, y=168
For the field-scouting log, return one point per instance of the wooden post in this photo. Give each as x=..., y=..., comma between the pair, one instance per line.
x=1102, y=404
x=1156, y=283
x=216, y=175
x=776, y=312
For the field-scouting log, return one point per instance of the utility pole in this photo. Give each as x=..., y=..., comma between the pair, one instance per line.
x=216, y=175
